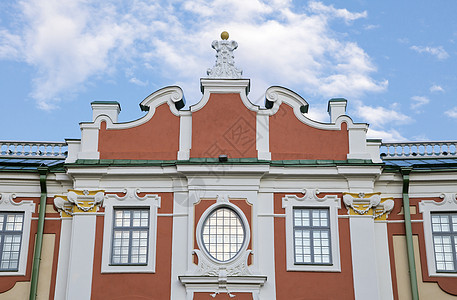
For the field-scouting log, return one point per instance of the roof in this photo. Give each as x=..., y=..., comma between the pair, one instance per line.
x=31, y=164
x=422, y=164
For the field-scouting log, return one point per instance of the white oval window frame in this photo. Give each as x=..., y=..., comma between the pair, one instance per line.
x=244, y=223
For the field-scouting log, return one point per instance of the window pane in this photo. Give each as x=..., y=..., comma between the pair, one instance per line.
x=312, y=237
x=444, y=229
x=130, y=240
x=11, y=225
x=223, y=234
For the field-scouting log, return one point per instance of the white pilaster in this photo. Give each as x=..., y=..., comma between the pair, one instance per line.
x=80, y=267
x=185, y=135
x=64, y=257
x=180, y=255
x=364, y=266
x=383, y=261
x=266, y=246
x=263, y=136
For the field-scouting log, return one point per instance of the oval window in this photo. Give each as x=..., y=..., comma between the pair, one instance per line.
x=223, y=234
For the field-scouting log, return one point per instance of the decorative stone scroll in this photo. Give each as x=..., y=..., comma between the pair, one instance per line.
x=77, y=201
x=225, y=60
x=368, y=204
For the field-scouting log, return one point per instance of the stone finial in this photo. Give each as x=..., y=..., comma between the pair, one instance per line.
x=225, y=62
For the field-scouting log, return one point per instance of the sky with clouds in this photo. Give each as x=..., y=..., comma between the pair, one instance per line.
x=395, y=61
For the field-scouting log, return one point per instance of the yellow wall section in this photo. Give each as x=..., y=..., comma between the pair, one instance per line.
x=427, y=290
x=47, y=255
x=21, y=290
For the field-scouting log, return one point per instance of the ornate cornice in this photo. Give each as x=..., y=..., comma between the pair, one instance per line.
x=310, y=195
x=7, y=202
x=79, y=201
x=370, y=204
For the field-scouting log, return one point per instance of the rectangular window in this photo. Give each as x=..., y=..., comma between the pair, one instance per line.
x=444, y=231
x=312, y=236
x=130, y=237
x=11, y=227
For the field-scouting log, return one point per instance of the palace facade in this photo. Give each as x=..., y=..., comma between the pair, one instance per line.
x=227, y=199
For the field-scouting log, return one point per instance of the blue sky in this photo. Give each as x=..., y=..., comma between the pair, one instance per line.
x=395, y=61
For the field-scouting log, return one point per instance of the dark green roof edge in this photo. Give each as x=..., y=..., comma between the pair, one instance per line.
x=231, y=161
x=374, y=140
x=105, y=102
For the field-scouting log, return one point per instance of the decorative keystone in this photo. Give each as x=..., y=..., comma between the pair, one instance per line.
x=368, y=204
x=79, y=202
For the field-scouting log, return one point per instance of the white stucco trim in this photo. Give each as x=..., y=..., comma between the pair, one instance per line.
x=130, y=200
x=426, y=207
x=7, y=204
x=310, y=199
x=279, y=95
x=224, y=86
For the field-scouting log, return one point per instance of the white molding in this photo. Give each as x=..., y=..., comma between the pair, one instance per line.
x=131, y=199
x=279, y=95
x=7, y=204
x=224, y=86
x=229, y=285
x=426, y=207
x=310, y=199
x=169, y=95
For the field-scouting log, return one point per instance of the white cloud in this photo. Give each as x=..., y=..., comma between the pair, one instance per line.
x=439, y=52
x=436, y=88
x=319, y=7
x=71, y=44
x=318, y=113
x=10, y=45
x=452, y=112
x=138, y=82
x=391, y=135
x=379, y=116
x=419, y=101
x=371, y=27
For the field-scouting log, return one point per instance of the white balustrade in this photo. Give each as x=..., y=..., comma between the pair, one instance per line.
x=17, y=149
x=419, y=150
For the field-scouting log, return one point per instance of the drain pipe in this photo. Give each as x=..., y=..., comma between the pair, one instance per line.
x=43, y=171
x=409, y=234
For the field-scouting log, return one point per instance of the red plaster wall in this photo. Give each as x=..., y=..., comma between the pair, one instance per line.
x=157, y=139
x=224, y=126
x=138, y=286
x=299, y=285
x=292, y=139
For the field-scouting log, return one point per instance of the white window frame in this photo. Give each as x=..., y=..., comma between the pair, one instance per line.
x=427, y=207
x=7, y=204
x=244, y=222
x=310, y=200
x=131, y=200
